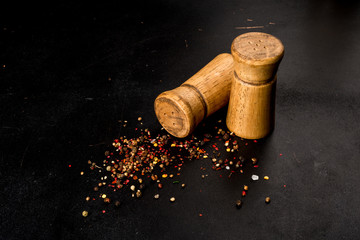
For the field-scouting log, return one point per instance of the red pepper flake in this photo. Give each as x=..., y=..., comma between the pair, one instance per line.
x=280, y=154
x=243, y=193
x=255, y=141
x=200, y=215
x=256, y=166
x=103, y=211
x=116, y=140
x=284, y=185
x=69, y=165
x=220, y=175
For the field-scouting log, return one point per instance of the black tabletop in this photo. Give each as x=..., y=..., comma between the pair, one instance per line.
x=72, y=73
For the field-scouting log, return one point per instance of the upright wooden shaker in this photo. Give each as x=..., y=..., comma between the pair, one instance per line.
x=181, y=109
x=251, y=112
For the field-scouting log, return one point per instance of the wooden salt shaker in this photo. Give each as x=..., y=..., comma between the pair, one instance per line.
x=180, y=110
x=251, y=112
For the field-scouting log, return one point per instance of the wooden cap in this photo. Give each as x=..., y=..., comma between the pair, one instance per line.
x=256, y=56
x=180, y=110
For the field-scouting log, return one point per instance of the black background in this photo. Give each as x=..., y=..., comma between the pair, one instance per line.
x=73, y=70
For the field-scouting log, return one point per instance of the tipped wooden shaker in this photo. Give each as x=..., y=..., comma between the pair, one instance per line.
x=251, y=112
x=180, y=110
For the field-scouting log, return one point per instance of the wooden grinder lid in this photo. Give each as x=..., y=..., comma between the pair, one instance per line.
x=256, y=56
x=179, y=110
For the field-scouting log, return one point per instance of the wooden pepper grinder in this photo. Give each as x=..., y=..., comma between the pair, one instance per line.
x=180, y=110
x=251, y=112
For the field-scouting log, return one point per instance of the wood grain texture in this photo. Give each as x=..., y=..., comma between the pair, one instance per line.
x=180, y=110
x=251, y=112
x=256, y=56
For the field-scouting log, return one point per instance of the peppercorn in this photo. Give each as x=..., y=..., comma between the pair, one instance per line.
x=254, y=177
x=138, y=194
x=267, y=199
x=85, y=213
x=154, y=177
x=238, y=204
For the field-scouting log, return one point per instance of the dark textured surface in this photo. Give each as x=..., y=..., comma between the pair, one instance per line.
x=56, y=99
